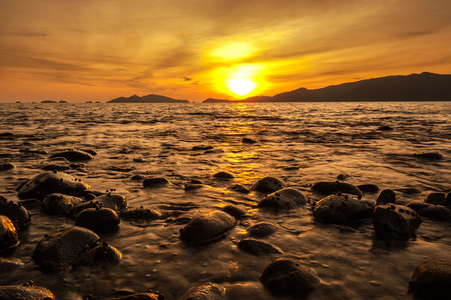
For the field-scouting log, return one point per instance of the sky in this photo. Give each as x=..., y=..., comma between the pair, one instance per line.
x=98, y=50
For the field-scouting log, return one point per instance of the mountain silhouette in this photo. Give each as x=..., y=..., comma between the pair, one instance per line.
x=151, y=98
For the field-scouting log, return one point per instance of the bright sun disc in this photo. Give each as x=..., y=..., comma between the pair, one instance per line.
x=241, y=86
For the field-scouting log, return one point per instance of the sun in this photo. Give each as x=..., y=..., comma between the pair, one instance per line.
x=241, y=86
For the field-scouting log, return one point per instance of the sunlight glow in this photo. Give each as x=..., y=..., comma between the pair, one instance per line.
x=241, y=86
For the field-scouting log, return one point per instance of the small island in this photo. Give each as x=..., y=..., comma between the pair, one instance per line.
x=151, y=98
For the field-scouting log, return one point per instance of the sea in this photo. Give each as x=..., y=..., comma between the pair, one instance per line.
x=299, y=143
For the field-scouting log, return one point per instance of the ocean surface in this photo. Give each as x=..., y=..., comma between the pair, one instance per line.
x=299, y=143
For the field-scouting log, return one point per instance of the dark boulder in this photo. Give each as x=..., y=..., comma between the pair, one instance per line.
x=435, y=212
x=207, y=228
x=235, y=211
x=16, y=212
x=328, y=188
x=74, y=155
x=385, y=197
x=223, y=176
x=99, y=220
x=6, y=166
x=248, y=141
x=100, y=254
x=431, y=280
x=257, y=247
x=155, y=182
x=25, y=292
x=74, y=211
x=342, y=209
x=192, y=186
x=432, y=156
x=393, y=221
x=140, y=214
x=202, y=147
x=368, y=188
x=435, y=198
x=239, y=188
x=268, y=185
x=59, y=251
x=287, y=277
x=8, y=234
x=211, y=291
x=116, y=202
x=59, y=204
x=385, y=128
x=262, y=229
x=52, y=182
x=284, y=199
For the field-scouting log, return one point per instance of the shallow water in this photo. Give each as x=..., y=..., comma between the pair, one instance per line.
x=300, y=143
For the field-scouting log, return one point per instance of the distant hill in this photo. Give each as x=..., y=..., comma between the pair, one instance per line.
x=151, y=98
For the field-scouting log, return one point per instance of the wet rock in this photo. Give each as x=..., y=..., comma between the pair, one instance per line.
x=268, y=185
x=30, y=204
x=385, y=128
x=257, y=247
x=132, y=296
x=342, y=209
x=436, y=198
x=368, y=188
x=99, y=220
x=287, y=277
x=223, y=175
x=431, y=280
x=90, y=151
x=343, y=177
x=8, y=234
x=25, y=292
x=140, y=214
x=393, y=221
x=6, y=166
x=74, y=211
x=116, y=202
x=16, y=212
x=328, y=188
x=385, y=197
x=435, y=212
x=99, y=254
x=137, y=177
x=59, y=204
x=7, y=265
x=207, y=228
x=248, y=141
x=262, y=229
x=59, y=251
x=52, y=182
x=240, y=189
x=74, y=155
x=284, y=199
x=155, y=182
x=202, y=147
x=235, y=211
x=429, y=156
x=57, y=167
x=210, y=291
x=192, y=186
x=409, y=191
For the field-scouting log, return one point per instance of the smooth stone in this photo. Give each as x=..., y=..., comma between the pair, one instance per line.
x=74, y=155
x=59, y=204
x=59, y=251
x=223, y=175
x=16, y=212
x=214, y=151
x=385, y=197
x=9, y=237
x=99, y=220
x=268, y=185
x=140, y=214
x=435, y=198
x=6, y=166
x=248, y=141
x=287, y=277
x=284, y=199
x=116, y=202
x=262, y=229
x=234, y=211
x=431, y=280
x=328, y=188
x=25, y=292
x=207, y=228
x=393, y=221
x=430, y=156
x=74, y=211
x=368, y=188
x=342, y=209
x=192, y=186
x=52, y=182
x=384, y=127
x=202, y=147
x=436, y=212
x=239, y=188
x=8, y=265
x=100, y=254
x=211, y=291
x=155, y=182
x=257, y=247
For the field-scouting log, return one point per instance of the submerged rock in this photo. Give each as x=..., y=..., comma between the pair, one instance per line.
x=74, y=211
x=104, y=253
x=6, y=166
x=257, y=247
x=342, y=209
x=223, y=176
x=16, y=212
x=287, y=277
x=207, y=228
x=8, y=234
x=73, y=155
x=239, y=188
x=385, y=197
x=140, y=214
x=284, y=199
x=268, y=185
x=235, y=211
x=99, y=220
x=435, y=198
x=25, y=292
x=393, y=221
x=262, y=229
x=8, y=264
x=211, y=291
x=59, y=251
x=328, y=188
x=133, y=296
x=431, y=280
x=368, y=188
x=52, y=182
x=248, y=141
x=155, y=182
x=435, y=212
x=58, y=204
x=430, y=156
x=116, y=202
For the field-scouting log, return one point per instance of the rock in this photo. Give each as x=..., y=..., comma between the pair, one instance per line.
x=239, y=188
x=74, y=155
x=16, y=212
x=287, y=277
x=99, y=220
x=140, y=214
x=214, y=151
x=100, y=254
x=223, y=176
x=385, y=197
x=384, y=128
x=192, y=186
x=342, y=209
x=202, y=147
x=155, y=182
x=210, y=291
x=262, y=229
x=268, y=185
x=368, y=188
x=248, y=141
x=435, y=212
x=6, y=167
x=134, y=296
x=448, y=199
x=284, y=199
x=57, y=167
x=436, y=198
x=59, y=251
x=8, y=264
x=116, y=202
x=257, y=247
x=393, y=221
x=8, y=234
x=429, y=156
x=52, y=182
x=25, y=292
x=59, y=204
x=328, y=188
x=74, y=211
x=207, y=228
x=234, y=211
x=409, y=191
x=431, y=280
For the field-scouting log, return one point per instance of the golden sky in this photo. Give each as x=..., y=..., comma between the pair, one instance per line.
x=97, y=50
